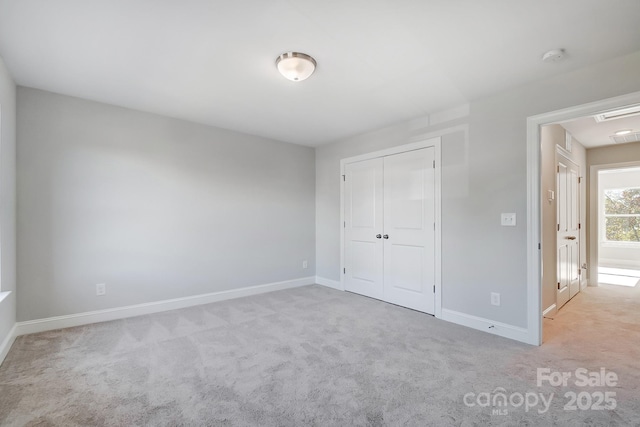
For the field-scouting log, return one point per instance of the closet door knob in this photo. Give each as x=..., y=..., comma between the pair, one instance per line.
x=378, y=236
x=386, y=236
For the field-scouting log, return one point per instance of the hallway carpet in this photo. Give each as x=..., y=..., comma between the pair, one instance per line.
x=320, y=357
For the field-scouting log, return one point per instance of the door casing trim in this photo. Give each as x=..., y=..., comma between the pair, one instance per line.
x=534, y=215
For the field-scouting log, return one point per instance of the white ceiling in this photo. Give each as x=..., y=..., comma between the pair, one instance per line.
x=379, y=62
x=591, y=133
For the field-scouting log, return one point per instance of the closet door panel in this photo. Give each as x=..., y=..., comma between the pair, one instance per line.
x=363, y=222
x=409, y=218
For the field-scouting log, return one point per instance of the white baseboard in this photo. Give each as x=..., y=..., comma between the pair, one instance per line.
x=486, y=325
x=329, y=283
x=59, y=322
x=7, y=343
x=551, y=310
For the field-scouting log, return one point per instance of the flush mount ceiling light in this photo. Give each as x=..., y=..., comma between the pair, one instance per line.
x=296, y=66
x=623, y=132
x=555, y=55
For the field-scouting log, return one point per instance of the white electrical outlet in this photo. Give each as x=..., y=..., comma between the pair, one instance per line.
x=305, y=264
x=508, y=219
x=101, y=289
x=495, y=298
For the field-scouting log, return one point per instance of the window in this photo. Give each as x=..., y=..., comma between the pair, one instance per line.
x=622, y=215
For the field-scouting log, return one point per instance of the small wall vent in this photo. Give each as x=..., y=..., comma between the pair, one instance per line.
x=618, y=114
x=623, y=139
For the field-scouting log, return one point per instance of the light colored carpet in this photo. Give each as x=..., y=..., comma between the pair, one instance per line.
x=315, y=356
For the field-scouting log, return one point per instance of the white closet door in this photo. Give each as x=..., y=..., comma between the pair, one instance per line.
x=363, y=218
x=409, y=230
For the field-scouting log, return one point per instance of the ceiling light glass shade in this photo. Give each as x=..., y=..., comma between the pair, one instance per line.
x=296, y=66
x=623, y=132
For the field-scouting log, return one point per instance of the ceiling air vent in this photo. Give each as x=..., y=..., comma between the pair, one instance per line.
x=618, y=114
x=622, y=139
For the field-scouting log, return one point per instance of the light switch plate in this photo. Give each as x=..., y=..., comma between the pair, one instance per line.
x=495, y=298
x=508, y=219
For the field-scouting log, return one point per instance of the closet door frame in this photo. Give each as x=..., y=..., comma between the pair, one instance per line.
x=431, y=142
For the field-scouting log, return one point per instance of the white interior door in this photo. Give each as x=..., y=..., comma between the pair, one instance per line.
x=409, y=229
x=568, y=231
x=574, y=229
x=363, y=207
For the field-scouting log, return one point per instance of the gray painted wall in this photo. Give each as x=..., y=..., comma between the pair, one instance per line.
x=156, y=208
x=479, y=256
x=613, y=154
x=7, y=201
x=550, y=136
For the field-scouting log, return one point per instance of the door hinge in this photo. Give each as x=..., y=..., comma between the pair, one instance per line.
x=344, y=177
x=558, y=169
x=539, y=247
x=579, y=226
x=434, y=289
x=579, y=179
x=344, y=271
x=434, y=226
x=579, y=272
x=434, y=164
x=345, y=224
x=558, y=285
x=558, y=227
